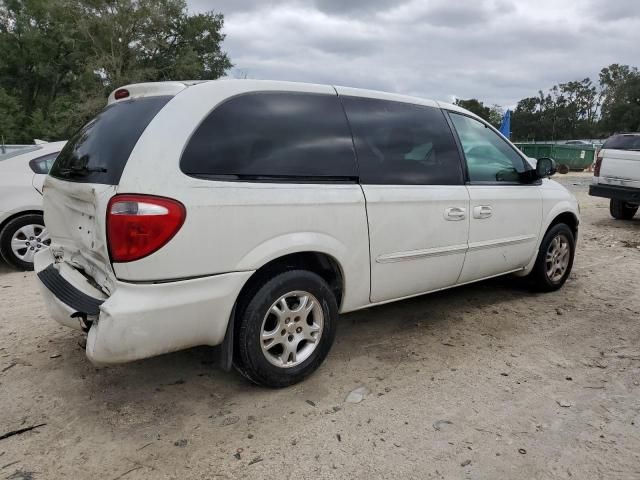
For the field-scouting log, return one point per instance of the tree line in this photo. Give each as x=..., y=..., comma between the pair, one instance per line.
x=61, y=58
x=574, y=110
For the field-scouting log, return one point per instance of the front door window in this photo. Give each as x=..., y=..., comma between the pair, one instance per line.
x=489, y=157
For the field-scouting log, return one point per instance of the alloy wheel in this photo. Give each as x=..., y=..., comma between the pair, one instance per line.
x=291, y=329
x=557, y=257
x=28, y=240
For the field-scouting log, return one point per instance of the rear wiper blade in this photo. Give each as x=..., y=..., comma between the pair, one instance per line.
x=82, y=171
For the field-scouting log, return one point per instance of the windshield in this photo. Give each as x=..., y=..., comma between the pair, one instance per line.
x=98, y=152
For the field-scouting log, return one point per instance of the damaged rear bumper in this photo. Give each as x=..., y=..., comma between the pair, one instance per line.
x=139, y=320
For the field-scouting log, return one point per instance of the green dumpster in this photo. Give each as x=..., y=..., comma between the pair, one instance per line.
x=575, y=157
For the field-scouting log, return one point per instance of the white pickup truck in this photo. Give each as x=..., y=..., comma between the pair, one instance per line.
x=617, y=175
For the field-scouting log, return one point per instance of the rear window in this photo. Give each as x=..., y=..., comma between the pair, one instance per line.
x=623, y=142
x=273, y=136
x=99, y=151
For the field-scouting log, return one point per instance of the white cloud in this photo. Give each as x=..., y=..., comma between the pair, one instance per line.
x=496, y=50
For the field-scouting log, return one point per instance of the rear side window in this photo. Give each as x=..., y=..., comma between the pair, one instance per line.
x=403, y=144
x=271, y=136
x=99, y=151
x=43, y=164
x=623, y=142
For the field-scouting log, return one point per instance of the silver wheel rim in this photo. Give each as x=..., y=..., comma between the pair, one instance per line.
x=557, y=257
x=29, y=240
x=291, y=329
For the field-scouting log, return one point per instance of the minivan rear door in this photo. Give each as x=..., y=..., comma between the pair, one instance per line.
x=417, y=203
x=83, y=179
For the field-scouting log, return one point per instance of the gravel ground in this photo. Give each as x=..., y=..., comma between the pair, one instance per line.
x=484, y=381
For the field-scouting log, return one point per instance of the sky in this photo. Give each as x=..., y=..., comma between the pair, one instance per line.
x=498, y=51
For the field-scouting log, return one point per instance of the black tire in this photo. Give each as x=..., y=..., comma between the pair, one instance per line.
x=249, y=358
x=539, y=277
x=7, y=234
x=622, y=210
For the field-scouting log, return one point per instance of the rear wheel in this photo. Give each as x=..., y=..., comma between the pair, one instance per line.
x=21, y=238
x=285, y=329
x=555, y=259
x=622, y=210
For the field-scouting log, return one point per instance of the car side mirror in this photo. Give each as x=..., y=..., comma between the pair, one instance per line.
x=545, y=167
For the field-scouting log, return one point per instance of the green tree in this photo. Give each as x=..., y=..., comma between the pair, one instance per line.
x=580, y=109
x=60, y=58
x=38, y=56
x=151, y=40
x=566, y=111
x=621, y=98
x=525, y=120
x=10, y=117
x=493, y=114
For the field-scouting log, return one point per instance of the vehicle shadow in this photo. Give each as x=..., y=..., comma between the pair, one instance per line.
x=153, y=383
x=4, y=268
x=182, y=392
x=618, y=224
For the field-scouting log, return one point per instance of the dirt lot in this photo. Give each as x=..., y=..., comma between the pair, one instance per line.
x=485, y=381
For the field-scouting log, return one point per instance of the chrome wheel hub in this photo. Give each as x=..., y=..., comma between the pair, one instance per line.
x=291, y=329
x=29, y=240
x=557, y=257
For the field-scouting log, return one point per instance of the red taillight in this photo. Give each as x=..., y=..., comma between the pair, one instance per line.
x=121, y=93
x=138, y=225
x=596, y=168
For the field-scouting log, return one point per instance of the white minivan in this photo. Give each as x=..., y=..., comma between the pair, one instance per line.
x=249, y=214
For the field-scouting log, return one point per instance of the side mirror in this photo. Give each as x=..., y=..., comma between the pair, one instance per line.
x=545, y=167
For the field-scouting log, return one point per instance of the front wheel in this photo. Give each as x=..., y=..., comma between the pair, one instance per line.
x=622, y=210
x=21, y=238
x=285, y=329
x=555, y=259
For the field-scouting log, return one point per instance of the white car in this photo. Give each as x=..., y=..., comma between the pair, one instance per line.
x=249, y=214
x=616, y=175
x=22, y=231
